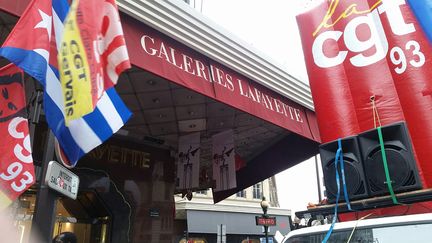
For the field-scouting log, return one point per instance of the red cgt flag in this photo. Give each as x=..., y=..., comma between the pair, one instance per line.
x=16, y=161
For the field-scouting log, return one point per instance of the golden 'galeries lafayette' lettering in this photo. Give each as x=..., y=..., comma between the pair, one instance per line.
x=213, y=74
x=119, y=155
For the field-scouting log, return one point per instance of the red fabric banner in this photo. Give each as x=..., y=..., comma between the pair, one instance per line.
x=14, y=7
x=16, y=162
x=157, y=53
x=154, y=52
x=358, y=49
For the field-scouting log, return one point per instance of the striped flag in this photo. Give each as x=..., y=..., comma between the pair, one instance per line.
x=92, y=54
x=32, y=45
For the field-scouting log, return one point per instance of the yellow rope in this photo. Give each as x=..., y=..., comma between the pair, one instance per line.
x=375, y=112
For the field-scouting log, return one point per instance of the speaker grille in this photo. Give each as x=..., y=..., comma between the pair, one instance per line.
x=400, y=160
x=398, y=168
x=352, y=178
x=354, y=173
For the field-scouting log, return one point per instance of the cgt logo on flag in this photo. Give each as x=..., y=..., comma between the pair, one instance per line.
x=92, y=55
x=16, y=167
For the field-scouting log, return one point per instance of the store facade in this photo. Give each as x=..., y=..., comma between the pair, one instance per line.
x=187, y=77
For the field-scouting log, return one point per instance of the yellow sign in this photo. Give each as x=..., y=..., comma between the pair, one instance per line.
x=74, y=70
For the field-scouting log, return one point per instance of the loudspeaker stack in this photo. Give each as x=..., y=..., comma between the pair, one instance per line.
x=364, y=169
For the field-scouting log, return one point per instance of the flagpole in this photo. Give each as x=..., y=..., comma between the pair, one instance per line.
x=46, y=199
x=35, y=110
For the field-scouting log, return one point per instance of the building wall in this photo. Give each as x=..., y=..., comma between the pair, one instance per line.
x=231, y=212
x=268, y=189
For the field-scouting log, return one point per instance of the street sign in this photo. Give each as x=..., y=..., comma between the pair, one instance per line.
x=62, y=180
x=265, y=221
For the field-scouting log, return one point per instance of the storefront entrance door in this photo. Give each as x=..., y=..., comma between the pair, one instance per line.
x=86, y=217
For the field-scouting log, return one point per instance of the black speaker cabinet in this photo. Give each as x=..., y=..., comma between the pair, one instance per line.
x=354, y=174
x=400, y=159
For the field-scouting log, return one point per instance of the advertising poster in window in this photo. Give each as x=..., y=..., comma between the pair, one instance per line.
x=224, y=161
x=188, y=161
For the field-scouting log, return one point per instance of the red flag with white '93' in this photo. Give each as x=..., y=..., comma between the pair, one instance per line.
x=16, y=162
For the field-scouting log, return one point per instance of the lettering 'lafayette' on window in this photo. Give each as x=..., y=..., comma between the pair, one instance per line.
x=119, y=155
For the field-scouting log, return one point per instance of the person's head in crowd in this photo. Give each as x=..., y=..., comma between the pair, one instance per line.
x=65, y=237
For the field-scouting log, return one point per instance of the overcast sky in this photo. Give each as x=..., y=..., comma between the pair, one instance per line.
x=270, y=27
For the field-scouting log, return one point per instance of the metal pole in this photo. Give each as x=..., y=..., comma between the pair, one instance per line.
x=36, y=109
x=221, y=233
x=46, y=200
x=265, y=226
x=264, y=207
x=45, y=205
x=318, y=179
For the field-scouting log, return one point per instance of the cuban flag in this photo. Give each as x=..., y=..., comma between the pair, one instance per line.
x=32, y=46
x=423, y=11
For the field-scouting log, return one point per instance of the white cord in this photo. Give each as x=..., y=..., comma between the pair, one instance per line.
x=355, y=226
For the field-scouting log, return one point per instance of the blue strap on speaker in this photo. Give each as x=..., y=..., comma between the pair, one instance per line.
x=343, y=176
x=338, y=159
x=338, y=154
